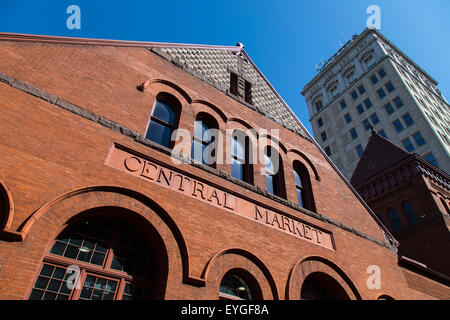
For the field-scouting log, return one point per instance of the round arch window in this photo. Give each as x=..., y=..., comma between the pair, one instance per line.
x=319, y=286
x=98, y=260
x=239, y=285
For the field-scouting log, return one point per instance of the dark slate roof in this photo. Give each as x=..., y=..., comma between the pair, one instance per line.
x=378, y=155
x=213, y=65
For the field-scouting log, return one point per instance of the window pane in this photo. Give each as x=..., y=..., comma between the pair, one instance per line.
x=298, y=181
x=238, y=149
x=360, y=108
x=159, y=133
x=237, y=169
x=409, y=212
x=389, y=108
x=50, y=284
x=98, y=288
x=367, y=103
x=299, y=197
x=398, y=125
x=419, y=139
x=269, y=184
x=164, y=112
x=381, y=93
x=408, y=145
x=234, y=285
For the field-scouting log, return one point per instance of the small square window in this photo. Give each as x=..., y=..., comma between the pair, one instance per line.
x=382, y=73
x=354, y=95
x=348, y=118
x=407, y=119
x=367, y=103
x=366, y=124
x=353, y=133
x=360, y=108
x=381, y=93
x=419, y=139
x=374, y=118
x=320, y=122
x=390, y=87
x=328, y=151
x=343, y=104
x=408, y=145
x=398, y=102
x=324, y=136
x=389, y=109
x=361, y=89
x=374, y=79
x=398, y=125
x=359, y=150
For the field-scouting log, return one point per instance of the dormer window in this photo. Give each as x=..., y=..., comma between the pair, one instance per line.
x=240, y=88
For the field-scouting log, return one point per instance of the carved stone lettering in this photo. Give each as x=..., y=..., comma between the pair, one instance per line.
x=129, y=162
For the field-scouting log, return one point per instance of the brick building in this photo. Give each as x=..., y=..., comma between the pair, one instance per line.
x=370, y=82
x=411, y=197
x=99, y=203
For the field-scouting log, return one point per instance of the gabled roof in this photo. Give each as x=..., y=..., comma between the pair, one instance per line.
x=378, y=155
x=213, y=65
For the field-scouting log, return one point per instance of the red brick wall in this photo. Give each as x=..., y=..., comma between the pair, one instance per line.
x=47, y=153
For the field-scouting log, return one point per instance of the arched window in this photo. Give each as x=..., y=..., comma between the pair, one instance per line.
x=238, y=284
x=320, y=286
x=205, y=141
x=274, y=172
x=164, y=120
x=303, y=186
x=109, y=259
x=409, y=212
x=445, y=205
x=395, y=221
x=241, y=152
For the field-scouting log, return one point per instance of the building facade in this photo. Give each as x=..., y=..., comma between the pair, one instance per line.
x=411, y=197
x=107, y=194
x=368, y=83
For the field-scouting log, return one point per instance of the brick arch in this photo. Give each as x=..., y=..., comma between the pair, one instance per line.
x=46, y=222
x=311, y=265
x=238, y=259
x=306, y=161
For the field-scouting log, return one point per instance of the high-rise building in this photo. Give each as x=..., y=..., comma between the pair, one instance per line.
x=370, y=84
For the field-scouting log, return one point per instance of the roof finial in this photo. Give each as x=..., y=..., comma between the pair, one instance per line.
x=240, y=45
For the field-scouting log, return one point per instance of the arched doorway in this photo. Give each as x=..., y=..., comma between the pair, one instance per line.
x=102, y=254
x=238, y=284
x=320, y=286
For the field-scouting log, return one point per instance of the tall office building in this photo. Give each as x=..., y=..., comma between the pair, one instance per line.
x=371, y=84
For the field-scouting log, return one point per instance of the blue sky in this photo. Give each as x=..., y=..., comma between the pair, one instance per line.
x=285, y=39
